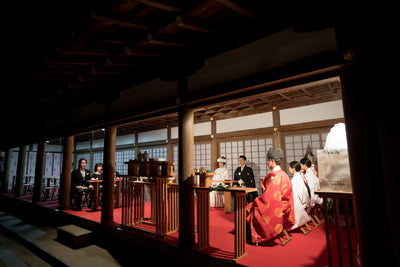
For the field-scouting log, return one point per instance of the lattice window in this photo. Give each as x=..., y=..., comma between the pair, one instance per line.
x=85, y=156
x=296, y=145
x=98, y=157
x=159, y=152
x=176, y=159
x=232, y=151
x=255, y=151
x=202, y=156
x=122, y=156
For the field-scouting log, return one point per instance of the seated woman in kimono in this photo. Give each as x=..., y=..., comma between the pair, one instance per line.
x=301, y=198
x=221, y=174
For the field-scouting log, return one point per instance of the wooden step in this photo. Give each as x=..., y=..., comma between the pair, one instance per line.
x=74, y=236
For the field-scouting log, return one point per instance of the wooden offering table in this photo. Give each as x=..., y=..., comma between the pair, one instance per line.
x=164, y=204
x=95, y=184
x=203, y=225
x=227, y=196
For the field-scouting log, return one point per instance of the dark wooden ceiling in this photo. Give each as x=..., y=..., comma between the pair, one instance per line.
x=65, y=54
x=114, y=45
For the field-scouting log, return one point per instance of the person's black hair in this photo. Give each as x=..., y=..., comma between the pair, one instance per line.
x=295, y=165
x=97, y=165
x=306, y=161
x=243, y=157
x=80, y=161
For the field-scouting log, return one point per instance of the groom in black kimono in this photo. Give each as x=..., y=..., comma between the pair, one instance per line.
x=245, y=176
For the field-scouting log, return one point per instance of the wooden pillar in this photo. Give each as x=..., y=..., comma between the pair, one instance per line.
x=214, y=145
x=107, y=211
x=40, y=159
x=64, y=196
x=170, y=147
x=186, y=172
x=277, y=140
x=6, y=174
x=19, y=181
x=363, y=126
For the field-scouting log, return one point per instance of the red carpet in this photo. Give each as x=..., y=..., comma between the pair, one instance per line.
x=309, y=250
x=302, y=250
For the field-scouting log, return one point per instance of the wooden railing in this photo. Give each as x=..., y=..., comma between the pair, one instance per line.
x=164, y=204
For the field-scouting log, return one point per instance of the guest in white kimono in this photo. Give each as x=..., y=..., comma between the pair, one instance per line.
x=221, y=174
x=312, y=181
x=301, y=198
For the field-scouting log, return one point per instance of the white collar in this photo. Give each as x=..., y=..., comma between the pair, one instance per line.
x=277, y=168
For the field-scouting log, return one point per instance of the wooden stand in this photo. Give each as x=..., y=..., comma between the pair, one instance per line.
x=138, y=203
x=206, y=179
x=164, y=204
x=118, y=182
x=127, y=200
x=336, y=196
x=95, y=184
x=161, y=205
x=203, y=218
x=203, y=225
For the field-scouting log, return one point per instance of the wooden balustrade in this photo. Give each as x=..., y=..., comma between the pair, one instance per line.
x=127, y=200
x=164, y=204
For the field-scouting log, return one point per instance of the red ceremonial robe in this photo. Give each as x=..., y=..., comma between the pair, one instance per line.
x=273, y=211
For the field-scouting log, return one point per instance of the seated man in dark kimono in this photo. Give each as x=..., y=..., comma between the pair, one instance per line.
x=79, y=182
x=245, y=177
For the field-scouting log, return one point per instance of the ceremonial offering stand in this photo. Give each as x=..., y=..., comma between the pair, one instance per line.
x=203, y=224
x=164, y=196
x=95, y=184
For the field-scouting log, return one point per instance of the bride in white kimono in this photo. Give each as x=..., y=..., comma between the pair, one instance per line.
x=221, y=174
x=301, y=197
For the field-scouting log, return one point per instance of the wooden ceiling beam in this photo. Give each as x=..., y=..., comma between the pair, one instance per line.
x=30, y=91
x=331, y=87
x=70, y=92
x=139, y=53
x=124, y=22
x=193, y=25
x=118, y=63
x=102, y=71
x=166, y=5
x=285, y=96
x=239, y=7
x=99, y=37
x=49, y=79
x=304, y=90
x=52, y=72
x=66, y=62
x=165, y=41
x=69, y=51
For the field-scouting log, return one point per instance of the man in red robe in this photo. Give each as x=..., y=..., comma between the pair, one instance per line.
x=273, y=211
